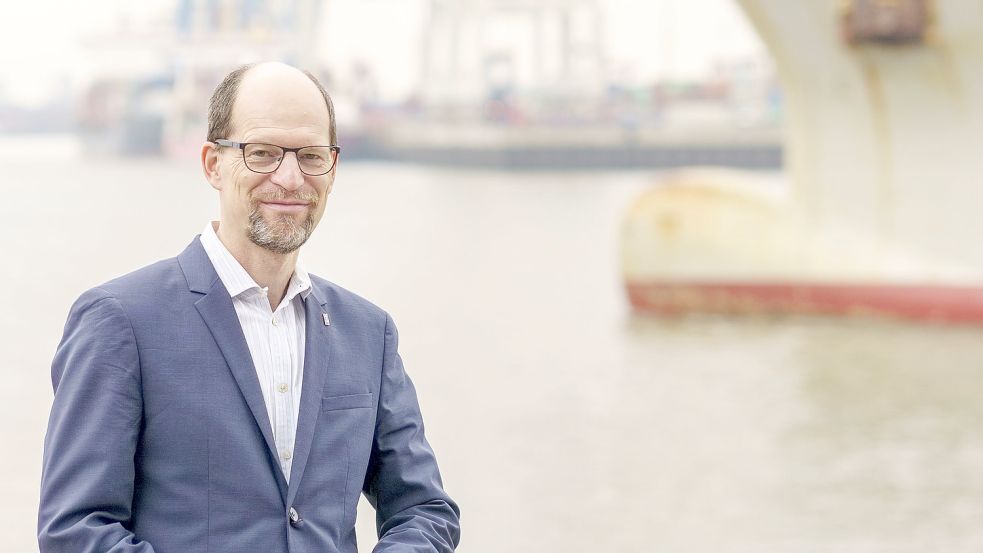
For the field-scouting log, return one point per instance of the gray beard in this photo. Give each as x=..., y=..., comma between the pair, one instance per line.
x=282, y=235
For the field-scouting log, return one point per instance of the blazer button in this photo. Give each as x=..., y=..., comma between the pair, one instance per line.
x=294, y=516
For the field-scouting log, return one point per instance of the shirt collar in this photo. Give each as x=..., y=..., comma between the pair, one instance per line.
x=236, y=280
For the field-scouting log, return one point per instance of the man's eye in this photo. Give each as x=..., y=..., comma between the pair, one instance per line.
x=261, y=154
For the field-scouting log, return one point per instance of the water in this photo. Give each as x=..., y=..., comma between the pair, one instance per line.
x=562, y=422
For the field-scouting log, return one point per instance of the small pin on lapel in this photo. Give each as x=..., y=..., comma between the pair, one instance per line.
x=327, y=322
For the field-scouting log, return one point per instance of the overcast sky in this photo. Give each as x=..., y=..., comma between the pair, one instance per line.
x=645, y=38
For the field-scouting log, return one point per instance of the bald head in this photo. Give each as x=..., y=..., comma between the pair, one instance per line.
x=278, y=86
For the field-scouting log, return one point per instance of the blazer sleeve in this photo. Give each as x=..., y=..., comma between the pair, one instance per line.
x=88, y=468
x=413, y=513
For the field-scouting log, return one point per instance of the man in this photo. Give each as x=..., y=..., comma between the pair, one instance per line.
x=225, y=400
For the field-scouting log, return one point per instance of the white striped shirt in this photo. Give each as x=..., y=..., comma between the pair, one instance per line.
x=275, y=338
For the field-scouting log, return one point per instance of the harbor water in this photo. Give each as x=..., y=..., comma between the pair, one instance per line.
x=562, y=422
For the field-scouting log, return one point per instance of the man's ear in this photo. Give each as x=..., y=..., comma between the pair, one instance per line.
x=210, y=164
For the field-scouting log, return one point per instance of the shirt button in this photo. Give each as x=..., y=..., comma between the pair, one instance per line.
x=286, y=455
x=275, y=322
x=282, y=388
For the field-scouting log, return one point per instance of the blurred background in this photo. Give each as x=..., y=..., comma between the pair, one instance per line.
x=686, y=276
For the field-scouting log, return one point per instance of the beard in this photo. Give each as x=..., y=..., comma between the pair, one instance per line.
x=281, y=234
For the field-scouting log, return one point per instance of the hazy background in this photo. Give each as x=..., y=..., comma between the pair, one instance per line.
x=383, y=33
x=563, y=421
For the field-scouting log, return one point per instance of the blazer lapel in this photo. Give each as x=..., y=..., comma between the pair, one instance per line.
x=317, y=348
x=219, y=314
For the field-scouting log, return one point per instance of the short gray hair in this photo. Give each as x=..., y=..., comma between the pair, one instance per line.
x=223, y=99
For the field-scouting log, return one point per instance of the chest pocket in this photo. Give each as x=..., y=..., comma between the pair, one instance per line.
x=354, y=401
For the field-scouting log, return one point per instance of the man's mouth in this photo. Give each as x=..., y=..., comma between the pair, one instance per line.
x=288, y=206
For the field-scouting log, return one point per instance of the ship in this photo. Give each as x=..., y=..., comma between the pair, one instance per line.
x=878, y=211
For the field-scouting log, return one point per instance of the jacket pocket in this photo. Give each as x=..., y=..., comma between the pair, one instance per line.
x=354, y=401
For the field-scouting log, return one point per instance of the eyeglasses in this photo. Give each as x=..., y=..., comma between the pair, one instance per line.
x=266, y=158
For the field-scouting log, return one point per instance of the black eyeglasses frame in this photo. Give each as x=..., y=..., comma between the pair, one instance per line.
x=242, y=147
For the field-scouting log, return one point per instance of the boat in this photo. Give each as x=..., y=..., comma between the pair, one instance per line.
x=878, y=211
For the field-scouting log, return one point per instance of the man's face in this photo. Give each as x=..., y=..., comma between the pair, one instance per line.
x=276, y=211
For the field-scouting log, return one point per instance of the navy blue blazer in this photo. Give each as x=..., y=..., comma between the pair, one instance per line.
x=159, y=441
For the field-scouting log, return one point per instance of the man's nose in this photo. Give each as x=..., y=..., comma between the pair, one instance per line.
x=288, y=175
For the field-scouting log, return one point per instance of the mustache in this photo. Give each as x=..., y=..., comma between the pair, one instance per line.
x=278, y=194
